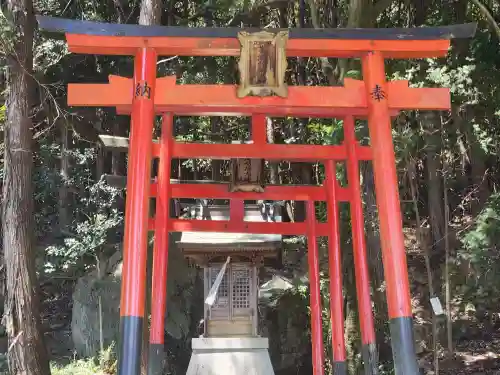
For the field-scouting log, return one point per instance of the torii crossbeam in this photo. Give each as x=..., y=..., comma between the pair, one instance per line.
x=144, y=96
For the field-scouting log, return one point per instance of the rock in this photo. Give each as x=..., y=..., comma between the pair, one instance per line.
x=4, y=344
x=85, y=327
x=181, y=304
x=421, y=335
x=85, y=317
x=284, y=316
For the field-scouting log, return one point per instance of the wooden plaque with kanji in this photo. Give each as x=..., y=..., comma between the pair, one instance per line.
x=262, y=64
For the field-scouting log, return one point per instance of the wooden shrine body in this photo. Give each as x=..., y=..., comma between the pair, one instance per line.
x=230, y=343
x=234, y=313
x=374, y=98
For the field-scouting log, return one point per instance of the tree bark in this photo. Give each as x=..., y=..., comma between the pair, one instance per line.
x=423, y=241
x=479, y=172
x=64, y=215
x=374, y=253
x=27, y=353
x=273, y=165
x=99, y=162
x=429, y=122
x=150, y=12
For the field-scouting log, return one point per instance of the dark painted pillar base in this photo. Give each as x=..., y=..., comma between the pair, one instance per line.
x=155, y=359
x=403, y=346
x=130, y=345
x=370, y=359
x=339, y=368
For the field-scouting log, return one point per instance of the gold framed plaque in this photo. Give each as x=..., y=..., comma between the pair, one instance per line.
x=262, y=64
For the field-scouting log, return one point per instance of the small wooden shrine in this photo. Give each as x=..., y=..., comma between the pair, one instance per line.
x=232, y=262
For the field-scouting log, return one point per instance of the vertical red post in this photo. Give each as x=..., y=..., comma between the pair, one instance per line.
x=367, y=327
x=314, y=291
x=136, y=214
x=160, y=251
x=259, y=129
x=391, y=229
x=236, y=210
x=335, y=264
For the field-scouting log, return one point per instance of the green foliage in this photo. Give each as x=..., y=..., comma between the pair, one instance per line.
x=481, y=254
x=105, y=364
x=90, y=235
x=386, y=369
x=294, y=312
x=7, y=33
x=354, y=74
x=96, y=220
x=80, y=367
x=4, y=366
x=325, y=132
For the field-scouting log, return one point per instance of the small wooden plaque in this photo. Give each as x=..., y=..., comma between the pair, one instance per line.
x=262, y=64
x=247, y=175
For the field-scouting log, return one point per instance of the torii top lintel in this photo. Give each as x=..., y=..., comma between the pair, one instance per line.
x=124, y=39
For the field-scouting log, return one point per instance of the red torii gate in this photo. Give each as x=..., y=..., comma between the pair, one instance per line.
x=144, y=96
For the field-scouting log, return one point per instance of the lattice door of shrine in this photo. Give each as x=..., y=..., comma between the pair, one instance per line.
x=235, y=306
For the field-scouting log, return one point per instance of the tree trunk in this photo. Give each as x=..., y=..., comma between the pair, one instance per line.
x=351, y=336
x=101, y=152
x=429, y=123
x=64, y=216
x=273, y=165
x=150, y=12
x=423, y=241
x=478, y=169
x=374, y=254
x=27, y=353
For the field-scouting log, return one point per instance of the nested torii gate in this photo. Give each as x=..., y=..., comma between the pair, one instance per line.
x=144, y=96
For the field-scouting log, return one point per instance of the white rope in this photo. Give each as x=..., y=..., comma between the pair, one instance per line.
x=212, y=295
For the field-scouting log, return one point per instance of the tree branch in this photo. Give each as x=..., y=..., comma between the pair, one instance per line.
x=489, y=17
x=257, y=10
x=326, y=66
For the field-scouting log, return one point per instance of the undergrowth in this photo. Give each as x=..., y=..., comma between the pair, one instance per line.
x=105, y=364
x=79, y=367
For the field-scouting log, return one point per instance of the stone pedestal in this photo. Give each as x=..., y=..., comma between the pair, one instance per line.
x=230, y=356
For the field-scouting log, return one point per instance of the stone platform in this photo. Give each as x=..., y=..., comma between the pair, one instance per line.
x=230, y=356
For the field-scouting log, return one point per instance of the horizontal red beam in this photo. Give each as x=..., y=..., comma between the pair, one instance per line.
x=291, y=152
x=271, y=111
x=308, y=101
x=189, y=46
x=180, y=225
x=272, y=192
x=266, y=151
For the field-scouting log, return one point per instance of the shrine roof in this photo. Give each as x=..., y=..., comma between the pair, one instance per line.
x=224, y=241
x=61, y=26
x=232, y=239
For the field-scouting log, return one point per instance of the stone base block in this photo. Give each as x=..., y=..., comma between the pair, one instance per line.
x=230, y=356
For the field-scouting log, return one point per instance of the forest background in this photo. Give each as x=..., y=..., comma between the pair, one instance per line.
x=62, y=223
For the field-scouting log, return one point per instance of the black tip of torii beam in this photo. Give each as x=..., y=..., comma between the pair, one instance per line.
x=57, y=27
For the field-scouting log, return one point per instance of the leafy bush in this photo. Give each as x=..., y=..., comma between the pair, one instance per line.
x=480, y=255
x=106, y=364
x=80, y=367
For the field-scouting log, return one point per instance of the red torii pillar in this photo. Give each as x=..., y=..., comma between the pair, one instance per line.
x=365, y=311
x=391, y=223
x=160, y=251
x=133, y=295
x=335, y=271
